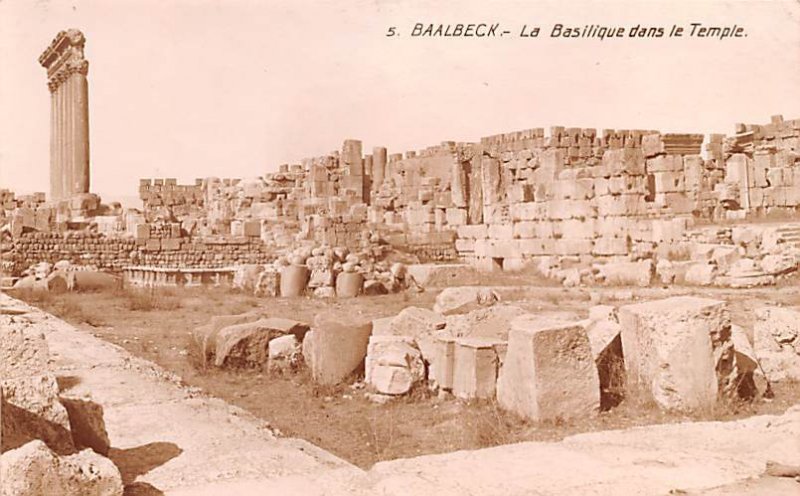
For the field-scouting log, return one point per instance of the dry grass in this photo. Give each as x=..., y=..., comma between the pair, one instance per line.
x=495, y=426
x=148, y=300
x=381, y=431
x=71, y=307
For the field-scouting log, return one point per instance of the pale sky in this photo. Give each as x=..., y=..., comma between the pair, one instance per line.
x=234, y=88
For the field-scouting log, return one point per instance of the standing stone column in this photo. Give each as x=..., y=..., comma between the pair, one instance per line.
x=69, y=114
x=81, y=131
x=378, y=167
x=353, y=163
x=459, y=183
x=55, y=179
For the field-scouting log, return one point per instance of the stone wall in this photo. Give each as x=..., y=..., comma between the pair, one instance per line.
x=182, y=199
x=504, y=201
x=625, y=194
x=115, y=253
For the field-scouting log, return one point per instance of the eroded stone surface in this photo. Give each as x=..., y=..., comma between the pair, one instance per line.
x=336, y=346
x=464, y=299
x=31, y=408
x=246, y=344
x=672, y=348
x=393, y=364
x=34, y=470
x=776, y=335
x=548, y=371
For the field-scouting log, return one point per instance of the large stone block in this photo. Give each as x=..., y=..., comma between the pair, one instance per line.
x=31, y=409
x=205, y=336
x=580, y=229
x=393, y=364
x=443, y=275
x=573, y=189
x=670, y=182
x=638, y=273
x=603, y=330
x=752, y=380
x=665, y=163
x=701, y=274
x=34, y=470
x=776, y=340
x=548, y=371
x=336, y=346
x=501, y=231
x=247, y=344
x=491, y=180
x=475, y=366
x=440, y=372
x=624, y=161
x=570, y=209
x=421, y=324
x=463, y=299
x=86, y=422
x=23, y=350
x=620, y=205
x=610, y=245
x=528, y=211
x=652, y=145
x=476, y=231
x=673, y=348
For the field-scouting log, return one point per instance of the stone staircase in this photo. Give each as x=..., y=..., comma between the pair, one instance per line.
x=789, y=235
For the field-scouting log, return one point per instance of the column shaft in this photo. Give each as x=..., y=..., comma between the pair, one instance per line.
x=65, y=172
x=59, y=169
x=81, y=133
x=55, y=185
x=68, y=169
x=378, y=166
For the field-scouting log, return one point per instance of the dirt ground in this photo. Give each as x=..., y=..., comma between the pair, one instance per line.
x=157, y=326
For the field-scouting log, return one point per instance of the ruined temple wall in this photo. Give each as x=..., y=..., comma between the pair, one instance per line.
x=762, y=170
x=575, y=193
x=115, y=253
x=511, y=197
x=624, y=194
x=183, y=199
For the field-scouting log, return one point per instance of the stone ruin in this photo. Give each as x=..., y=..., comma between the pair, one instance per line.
x=578, y=205
x=616, y=207
x=680, y=353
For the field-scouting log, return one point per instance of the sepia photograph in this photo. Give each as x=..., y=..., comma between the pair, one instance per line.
x=399, y=247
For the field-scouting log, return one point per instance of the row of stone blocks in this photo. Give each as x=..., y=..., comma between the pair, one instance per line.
x=677, y=352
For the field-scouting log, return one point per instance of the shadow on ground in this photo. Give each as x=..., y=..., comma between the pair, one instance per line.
x=134, y=462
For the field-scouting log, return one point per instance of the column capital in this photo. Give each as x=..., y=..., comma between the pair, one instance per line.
x=64, y=57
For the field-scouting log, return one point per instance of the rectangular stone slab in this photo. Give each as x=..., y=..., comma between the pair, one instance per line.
x=548, y=371
x=669, y=347
x=474, y=368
